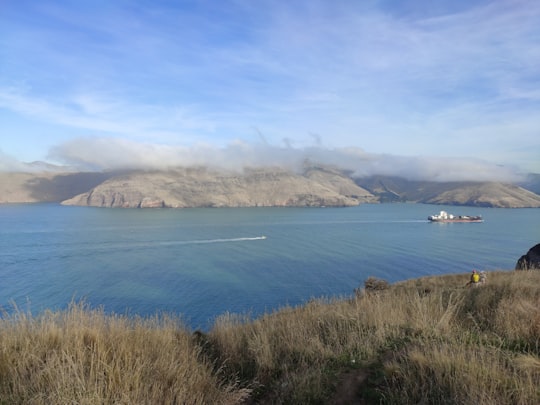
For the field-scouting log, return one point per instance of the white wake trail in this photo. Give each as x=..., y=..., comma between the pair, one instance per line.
x=148, y=245
x=208, y=241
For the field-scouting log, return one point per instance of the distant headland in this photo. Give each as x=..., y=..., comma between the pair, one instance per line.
x=313, y=186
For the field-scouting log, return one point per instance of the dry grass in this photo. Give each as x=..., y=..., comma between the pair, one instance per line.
x=83, y=356
x=422, y=341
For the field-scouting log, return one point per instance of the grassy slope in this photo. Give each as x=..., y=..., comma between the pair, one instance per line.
x=422, y=341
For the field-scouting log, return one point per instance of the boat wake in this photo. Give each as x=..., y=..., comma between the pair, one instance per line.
x=157, y=244
x=208, y=241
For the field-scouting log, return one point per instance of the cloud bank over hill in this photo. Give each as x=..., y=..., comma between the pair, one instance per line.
x=99, y=154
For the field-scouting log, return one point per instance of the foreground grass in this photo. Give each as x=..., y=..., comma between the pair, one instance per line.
x=83, y=356
x=422, y=341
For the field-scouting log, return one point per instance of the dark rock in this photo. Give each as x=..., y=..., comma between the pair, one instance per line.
x=531, y=260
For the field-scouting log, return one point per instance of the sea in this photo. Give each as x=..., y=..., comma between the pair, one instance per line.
x=201, y=263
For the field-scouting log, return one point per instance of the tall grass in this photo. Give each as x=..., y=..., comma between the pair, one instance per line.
x=82, y=356
x=422, y=341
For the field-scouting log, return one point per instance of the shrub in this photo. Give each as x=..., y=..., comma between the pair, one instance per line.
x=375, y=284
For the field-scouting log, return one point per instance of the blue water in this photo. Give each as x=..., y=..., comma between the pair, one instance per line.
x=201, y=263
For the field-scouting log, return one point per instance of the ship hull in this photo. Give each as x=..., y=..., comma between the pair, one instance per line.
x=443, y=216
x=456, y=220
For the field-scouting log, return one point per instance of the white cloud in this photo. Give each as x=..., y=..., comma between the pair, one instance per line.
x=460, y=83
x=104, y=113
x=10, y=164
x=114, y=153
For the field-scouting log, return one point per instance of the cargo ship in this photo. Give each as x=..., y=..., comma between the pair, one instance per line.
x=444, y=216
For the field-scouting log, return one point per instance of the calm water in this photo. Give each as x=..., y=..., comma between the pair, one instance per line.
x=204, y=262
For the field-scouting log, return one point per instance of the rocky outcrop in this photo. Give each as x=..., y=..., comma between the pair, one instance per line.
x=202, y=187
x=531, y=260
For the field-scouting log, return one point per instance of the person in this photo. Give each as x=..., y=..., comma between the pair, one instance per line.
x=483, y=277
x=475, y=279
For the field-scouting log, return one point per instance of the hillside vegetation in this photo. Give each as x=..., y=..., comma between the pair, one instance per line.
x=429, y=340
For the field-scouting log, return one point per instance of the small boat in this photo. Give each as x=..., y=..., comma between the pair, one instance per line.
x=444, y=216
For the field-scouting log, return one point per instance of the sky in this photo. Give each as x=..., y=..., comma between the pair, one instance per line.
x=444, y=90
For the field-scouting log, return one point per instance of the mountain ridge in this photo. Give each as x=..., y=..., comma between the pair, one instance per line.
x=466, y=193
x=315, y=186
x=203, y=187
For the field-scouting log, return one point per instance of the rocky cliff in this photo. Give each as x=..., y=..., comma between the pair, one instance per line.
x=201, y=187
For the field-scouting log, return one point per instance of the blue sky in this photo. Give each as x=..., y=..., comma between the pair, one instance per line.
x=440, y=89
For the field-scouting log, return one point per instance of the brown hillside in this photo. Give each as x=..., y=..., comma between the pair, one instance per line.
x=200, y=187
x=45, y=186
x=488, y=195
x=485, y=194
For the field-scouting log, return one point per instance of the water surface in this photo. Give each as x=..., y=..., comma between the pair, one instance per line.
x=203, y=262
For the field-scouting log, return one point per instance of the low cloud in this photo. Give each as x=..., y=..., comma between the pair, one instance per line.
x=10, y=164
x=99, y=154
